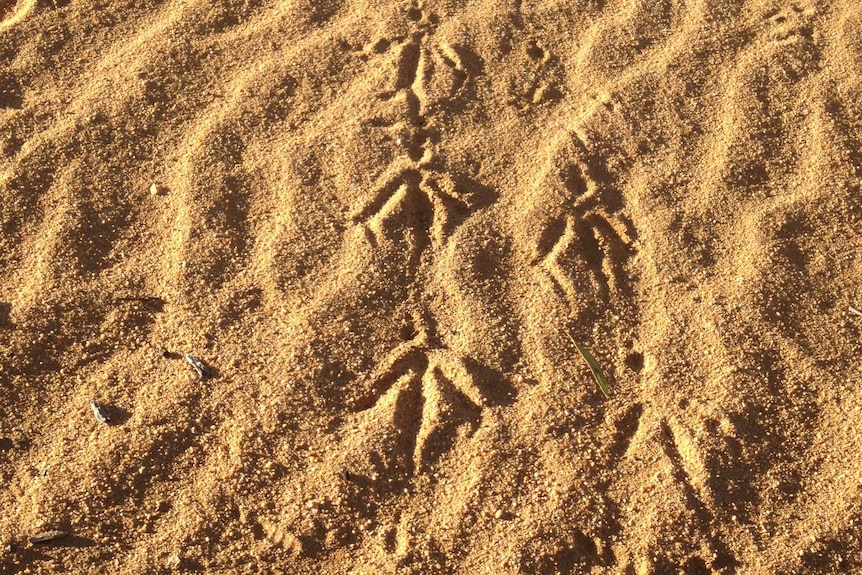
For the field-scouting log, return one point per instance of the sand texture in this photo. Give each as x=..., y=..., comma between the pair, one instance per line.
x=383, y=226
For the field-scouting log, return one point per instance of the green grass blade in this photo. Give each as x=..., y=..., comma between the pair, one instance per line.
x=594, y=367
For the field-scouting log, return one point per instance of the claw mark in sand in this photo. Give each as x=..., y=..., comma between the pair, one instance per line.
x=589, y=227
x=415, y=187
x=431, y=386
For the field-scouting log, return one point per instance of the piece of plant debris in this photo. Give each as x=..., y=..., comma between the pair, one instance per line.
x=594, y=367
x=47, y=536
x=100, y=412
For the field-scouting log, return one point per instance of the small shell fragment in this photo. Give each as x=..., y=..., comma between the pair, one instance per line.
x=100, y=412
x=199, y=366
x=46, y=536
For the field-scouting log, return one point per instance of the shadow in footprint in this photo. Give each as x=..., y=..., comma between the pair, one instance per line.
x=492, y=384
x=10, y=92
x=625, y=429
x=479, y=195
x=460, y=411
x=5, y=314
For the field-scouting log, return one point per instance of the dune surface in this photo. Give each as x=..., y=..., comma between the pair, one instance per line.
x=384, y=227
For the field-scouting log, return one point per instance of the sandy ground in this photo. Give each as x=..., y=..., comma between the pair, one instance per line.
x=383, y=225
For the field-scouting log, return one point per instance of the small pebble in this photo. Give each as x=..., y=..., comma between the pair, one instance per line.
x=10, y=548
x=46, y=536
x=200, y=367
x=156, y=190
x=498, y=514
x=165, y=354
x=100, y=412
